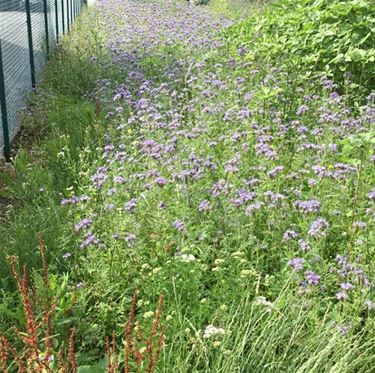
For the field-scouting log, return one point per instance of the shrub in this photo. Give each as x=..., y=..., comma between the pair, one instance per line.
x=335, y=37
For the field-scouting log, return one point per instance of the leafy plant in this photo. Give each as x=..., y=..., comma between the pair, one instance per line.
x=335, y=37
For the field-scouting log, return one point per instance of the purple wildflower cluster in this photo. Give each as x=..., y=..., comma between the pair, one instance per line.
x=318, y=228
x=349, y=276
x=309, y=206
x=192, y=147
x=74, y=200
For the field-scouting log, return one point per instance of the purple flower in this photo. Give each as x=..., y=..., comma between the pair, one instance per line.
x=296, y=263
x=252, y=182
x=179, y=225
x=312, y=278
x=252, y=208
x=302, y=109
x=319, y=170
x=312, y=182
x=289, y=235
x=341, y=295
x=90, y=240
x=232, y=165
x=274, y=172
x=204, y=206
x=243, y=114
x=66, y=256
x=333, y=148
x=130, y=205
x=309, y=206
x=248, y=96
x=83, y=224
x=371, y=195
x=74, y=200
x=304, y=246
x=100, y=177
x=130, y=239
x=220, y=187
x=111, y=191
x=346, y=286
x=161, y=181
x=243, y=197
x=343, y=329
x=119, y=180
x=142, y=104
x=318, y=228
x=360, y=225
x=341, y=259
x=369, y=304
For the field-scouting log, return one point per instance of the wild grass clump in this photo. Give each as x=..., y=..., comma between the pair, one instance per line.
x=187, y=166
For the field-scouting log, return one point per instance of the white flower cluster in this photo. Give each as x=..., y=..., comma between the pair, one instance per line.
x=212, y=330
x=185, y=257
x=262, y=301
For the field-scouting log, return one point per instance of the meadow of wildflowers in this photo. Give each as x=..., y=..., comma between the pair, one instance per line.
x=223, y=202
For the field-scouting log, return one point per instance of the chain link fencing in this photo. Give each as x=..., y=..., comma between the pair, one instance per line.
x=28, y=29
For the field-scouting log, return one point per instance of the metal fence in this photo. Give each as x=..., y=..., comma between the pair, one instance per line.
x=28, y=30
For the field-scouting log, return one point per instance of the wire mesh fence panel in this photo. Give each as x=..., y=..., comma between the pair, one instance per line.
x=59, y=16
x=25, y=38
x=51, y=21
x=39, y=35
x=16, y=64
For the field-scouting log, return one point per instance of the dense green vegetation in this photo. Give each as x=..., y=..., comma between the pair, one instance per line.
x=225, y=165
x=334, y=37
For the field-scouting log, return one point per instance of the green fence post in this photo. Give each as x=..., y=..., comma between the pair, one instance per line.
x=45, y=8
x=57, y=21
x=4, y=114
x=31, y=48
x=63, y=15
x=71, y=11
x=67, y=15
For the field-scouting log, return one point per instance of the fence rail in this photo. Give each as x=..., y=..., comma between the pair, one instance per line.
x=28, y=30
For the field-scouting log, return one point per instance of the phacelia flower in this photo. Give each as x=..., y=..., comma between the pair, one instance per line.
x=296, y=263
x=309, y=206
x=179, y=225
x=130, y=205
x=83, y=224
x=312, y=278
x=204, y=206
x=318, y=228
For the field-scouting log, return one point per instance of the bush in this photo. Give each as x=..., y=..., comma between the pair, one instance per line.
x=335, y=37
